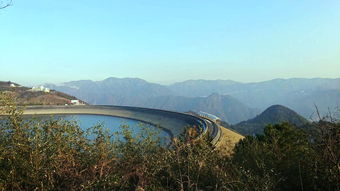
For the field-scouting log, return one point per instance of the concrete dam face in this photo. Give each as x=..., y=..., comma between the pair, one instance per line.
x=174, y=123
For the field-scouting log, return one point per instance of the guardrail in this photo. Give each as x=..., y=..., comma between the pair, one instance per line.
x=213, y=129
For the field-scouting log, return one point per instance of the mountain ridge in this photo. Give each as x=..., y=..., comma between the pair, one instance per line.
x=224, y=106
x=299, y=94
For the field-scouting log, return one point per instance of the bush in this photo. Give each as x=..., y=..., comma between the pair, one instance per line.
x=288, y=158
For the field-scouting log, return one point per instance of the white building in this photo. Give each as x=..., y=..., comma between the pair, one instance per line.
x=47, y=90
x=40, y=89
x=75, y=102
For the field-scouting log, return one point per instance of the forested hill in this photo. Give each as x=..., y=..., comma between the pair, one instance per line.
x=272, y=115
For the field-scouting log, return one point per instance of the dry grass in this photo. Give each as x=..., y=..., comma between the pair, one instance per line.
x=228, y=140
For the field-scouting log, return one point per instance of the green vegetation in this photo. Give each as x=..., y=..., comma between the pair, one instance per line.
x=58, y=155
x=290, y=159
x=272, y=115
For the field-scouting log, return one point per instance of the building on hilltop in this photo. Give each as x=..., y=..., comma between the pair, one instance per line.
x=76, y=102
x=40, y=89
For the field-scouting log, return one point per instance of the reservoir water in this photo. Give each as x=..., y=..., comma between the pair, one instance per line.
x=111, y=123
x=114, y=124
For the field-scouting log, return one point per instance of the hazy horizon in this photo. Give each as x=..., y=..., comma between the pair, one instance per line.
x=44, y=41
x=166, y=84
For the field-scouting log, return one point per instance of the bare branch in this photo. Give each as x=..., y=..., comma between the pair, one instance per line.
x=6, y=4
x=317, y=112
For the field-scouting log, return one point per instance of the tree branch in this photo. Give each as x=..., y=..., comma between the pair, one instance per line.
x=6, y=5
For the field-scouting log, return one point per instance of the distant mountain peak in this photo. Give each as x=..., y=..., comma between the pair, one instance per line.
x=279, y=113
x=277, y=108
x=272, y=115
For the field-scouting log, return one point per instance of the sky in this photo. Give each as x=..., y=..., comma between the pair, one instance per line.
x=166, y=41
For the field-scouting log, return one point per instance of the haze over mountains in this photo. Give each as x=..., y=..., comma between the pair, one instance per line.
x=224, y=106
x=230, y=100
x=302, y=95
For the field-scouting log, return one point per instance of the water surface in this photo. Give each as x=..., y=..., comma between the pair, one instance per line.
x=111, y=123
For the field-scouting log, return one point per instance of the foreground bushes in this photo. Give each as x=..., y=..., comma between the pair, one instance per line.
x=288, y=158
x=58, y=155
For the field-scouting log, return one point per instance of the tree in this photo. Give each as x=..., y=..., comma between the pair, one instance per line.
x=288, y=158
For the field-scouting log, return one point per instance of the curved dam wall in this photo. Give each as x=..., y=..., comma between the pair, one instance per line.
x=174, y=122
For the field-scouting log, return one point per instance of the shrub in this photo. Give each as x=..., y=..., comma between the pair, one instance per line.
x=288, y=158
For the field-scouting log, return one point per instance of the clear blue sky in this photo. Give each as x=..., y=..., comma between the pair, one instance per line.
x=169, y=40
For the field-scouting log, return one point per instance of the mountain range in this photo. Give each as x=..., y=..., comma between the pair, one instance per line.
x=230, y=100
x=302, y=95
x=224, y=106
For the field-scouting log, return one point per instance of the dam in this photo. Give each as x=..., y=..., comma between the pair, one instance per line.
x=174, y=123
